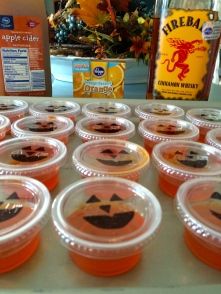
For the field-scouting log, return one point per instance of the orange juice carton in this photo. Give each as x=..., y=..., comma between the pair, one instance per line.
x=104, y=127
x=154, y=131
x=111, y=157
x=33, y=156
x=180, y=160
x=95, y=109
x=54, y=126
x=158, y=110
x=198, y=205
x=105, y=223
x=56, y=107
x=24, y=210
x=24, y=49
x=98, y=78
x=205, y=119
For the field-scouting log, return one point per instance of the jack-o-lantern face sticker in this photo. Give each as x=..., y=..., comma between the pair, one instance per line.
x=10, y=207
x=29, y=154
x=112, y=157
x=170, y=129
x=107, y=128
x=47, y=126
x=192, y=158
x=108, y=219
x=57, y=108
x=160, y=110
x=4, y=106
x=215, y=205
x=211, y=116
x=107, y=110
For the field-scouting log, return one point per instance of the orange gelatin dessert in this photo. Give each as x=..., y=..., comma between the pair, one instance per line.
x=180, y=160
x=106, y=229
x=36, y=157
x=198, y=205
x=23, y=212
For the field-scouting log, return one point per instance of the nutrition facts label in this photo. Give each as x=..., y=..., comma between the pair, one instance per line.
x=17, y=74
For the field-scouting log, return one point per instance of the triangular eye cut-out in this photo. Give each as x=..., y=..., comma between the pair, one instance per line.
x=115, y=197
x=216, y=195
x=13, y=196
x=108, y=151
x=123, y=152
x=93, y=199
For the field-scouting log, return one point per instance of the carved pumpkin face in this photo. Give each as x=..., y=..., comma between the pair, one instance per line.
x=9, y=208
x=211, y=116
x=107, y=110
x=160, y=110
x=43, y=126
x=57, y=108
x=191, y=158
x=170, y=129
x=107, y=128
x=4, y=106
x=30, y=154
x=114, y=157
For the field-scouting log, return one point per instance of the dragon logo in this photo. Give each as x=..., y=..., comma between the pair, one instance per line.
x=180, y=56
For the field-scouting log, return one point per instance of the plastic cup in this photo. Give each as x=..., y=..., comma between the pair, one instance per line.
x=13, y=108
x=155, y=131
x=158, y=110
x=205, y=119
x=58, y=107
x=4, y=126
x=198, y=204
x=54, y=126
x=213, y=138
x=95, y=109
x=24, y=210
x=178, y=161
x=105, y=223
x=32, y=156
x=110, y=157
x=104, y=127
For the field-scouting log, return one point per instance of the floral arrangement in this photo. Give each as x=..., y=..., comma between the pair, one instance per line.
x=106, y=28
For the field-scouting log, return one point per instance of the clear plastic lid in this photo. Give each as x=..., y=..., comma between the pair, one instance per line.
x=105, y=127
x=205, y=117
x=95, y=109
x=31, y=155
x=198, y=204
x=60, y=107
x=24, y=207
x=106, y=217
x=156, y=110
x=4, y=123
x=10, y=107
x=47, y=125
x=167, y=129
x=109, y=157
x=185, y=160
x=213, y=137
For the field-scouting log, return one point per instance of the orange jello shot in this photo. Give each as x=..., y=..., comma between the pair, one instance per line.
x=56, y=107
x=104, y=127
x=166, y=129
x=54, y=126
x=213, y=138
x=32, y=156
x=111, y=157
x=205, y=119
x=4, y=126
x=177, y=161
x=198, y=204
x=158, y=110
x=105, y=223
x=24, y=207
x=95, y=109
x=13, y=108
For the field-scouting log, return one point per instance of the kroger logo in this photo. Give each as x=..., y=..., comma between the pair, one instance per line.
x=98, y=71
x=6, y=22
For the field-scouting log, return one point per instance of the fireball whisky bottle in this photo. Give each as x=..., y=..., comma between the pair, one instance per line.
x=185, y=43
